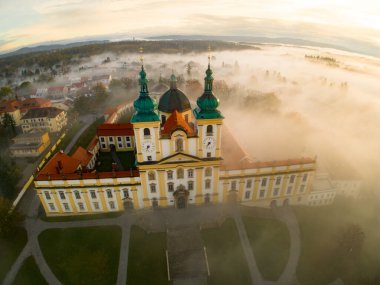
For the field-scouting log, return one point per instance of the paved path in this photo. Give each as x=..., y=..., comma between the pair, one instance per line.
x=251, y=261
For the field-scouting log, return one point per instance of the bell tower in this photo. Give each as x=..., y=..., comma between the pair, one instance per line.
x=146, y=122
x=209, y=120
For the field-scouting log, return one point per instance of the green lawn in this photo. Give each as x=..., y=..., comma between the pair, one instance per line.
x=147, y=258
x=86, y=137
x=127, y=159
x=319, y=262
x=270, y=242
x=83, y=255
x=225, y=255
x=29, y=274
x=10, y=249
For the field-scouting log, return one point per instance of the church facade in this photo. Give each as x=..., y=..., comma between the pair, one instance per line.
x=182, y=157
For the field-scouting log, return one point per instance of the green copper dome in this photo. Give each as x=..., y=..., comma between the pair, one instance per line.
x=208, y=103
x=145, y=106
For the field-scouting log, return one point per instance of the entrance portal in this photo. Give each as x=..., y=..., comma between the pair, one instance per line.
x=181, y=202
x=181, y=196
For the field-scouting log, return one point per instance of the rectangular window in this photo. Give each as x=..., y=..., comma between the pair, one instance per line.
x=276, y=191
x=233, y=186
x=292, y=179
x=77, y=195
x=62, y=195
x=190, y=185
x=153, y=188
x=109, y=194
x=47, y=195
x=93, y=194
x=190, y=173
x=247, y=194
x=264, y=182
x=66, y=207
x=80, y=206
x=112, y=205
x=170, y=187
x=304, y=178
x=96, y=205
x=209, y=154
x=110, y=139
x=102, y=139
x=289, y=190
x=208, y=184
x=120, y=145
x=278, y=180
x=170, y=175
x=103, y=145
x=127, y=139
x=302, y=188
x=249, y=183
x=119, y=139
x=262, y=193
x=52, y=207
x=129, y=144
x=126, y=194
x=149, y=158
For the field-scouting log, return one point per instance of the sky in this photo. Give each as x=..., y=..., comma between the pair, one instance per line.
x=27, y=22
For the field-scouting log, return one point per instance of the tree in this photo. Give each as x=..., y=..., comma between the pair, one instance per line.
x=9, y=220
x=9, y=122
x=9, y=177
x=100, y=92
x=5, y=91
x=350, y=240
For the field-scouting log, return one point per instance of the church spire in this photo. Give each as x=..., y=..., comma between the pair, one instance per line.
x=208, y=103
x=145, y=106
x=173, y=81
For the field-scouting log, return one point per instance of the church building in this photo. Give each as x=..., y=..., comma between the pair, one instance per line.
x=182, y=156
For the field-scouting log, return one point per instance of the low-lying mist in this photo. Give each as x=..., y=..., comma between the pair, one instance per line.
x=286, y=102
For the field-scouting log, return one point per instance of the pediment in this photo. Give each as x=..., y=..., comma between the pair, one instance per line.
x=179, y=157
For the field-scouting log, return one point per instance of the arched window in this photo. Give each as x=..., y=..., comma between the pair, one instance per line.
x=146, y=132
x=125, y=193
x=151, y=175
x=208, y=171
x=180, y=173
x=179, y=145
x=209, y=130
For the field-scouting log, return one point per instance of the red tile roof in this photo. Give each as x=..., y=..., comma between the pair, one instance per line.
x=9, y=106
x=235, y=158
x=115, y=130
x=33, y=103
x=176, y=121
x=56, y=88
x=50, y=112
x=83, y=155
x=60, y=163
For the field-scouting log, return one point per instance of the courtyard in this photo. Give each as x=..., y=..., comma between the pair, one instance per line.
x=284, y=245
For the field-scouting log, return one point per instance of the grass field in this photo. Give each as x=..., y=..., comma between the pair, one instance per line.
x=225, y=255
x=10, y=248
x=147, y=258
x=83, y=255
x=127, y=159
x=270, y=243
x=319, y=264
x=29, y=274
x=82, y=217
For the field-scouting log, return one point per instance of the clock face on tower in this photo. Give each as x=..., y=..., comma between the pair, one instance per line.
x=209, y=143
x=148, y=147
